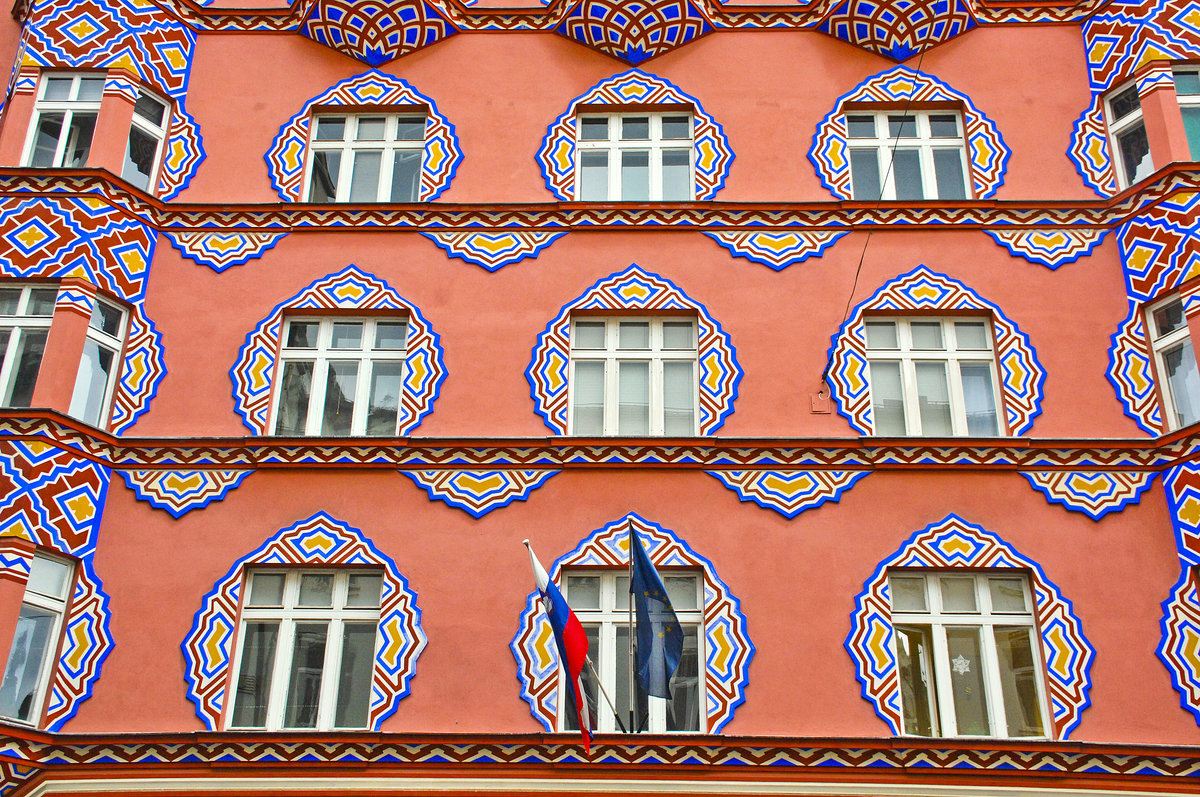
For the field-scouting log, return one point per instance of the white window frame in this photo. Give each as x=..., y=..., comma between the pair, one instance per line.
x=68, y=108
x=1188, y=102
x=1163, y=344
x=156, y=131
x=110, y=341
x=935, y=621
x=288, y=616
x=612, y=356
x=612, y=615
x=1118, y=127
x=323, y=354
x=349, y=145
x=654, y=145
x=951, y=356
x=56, y=605
x=20, y=324
x=925, y=143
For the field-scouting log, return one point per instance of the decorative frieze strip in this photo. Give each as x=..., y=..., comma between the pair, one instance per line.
x=180, y=491
x=1094, y=493
x=1049, y=248
x=558, y=217
x=478, y=492
x=789, y=492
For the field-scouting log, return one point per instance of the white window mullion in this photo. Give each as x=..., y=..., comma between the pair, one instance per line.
x=331, y=664
x=8, y=370
x=945, y=689
x=995, y=689
x=280, y=674
x=912, y=401
x=958, y=403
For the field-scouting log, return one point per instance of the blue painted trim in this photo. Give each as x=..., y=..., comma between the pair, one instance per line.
x=789, y=514
x=1033, y=258
x=794, y=260
x=105, y=618
x=178, y=513
x=1161, y=650
x=154, y=383
x=201, y=153
x=239, y=261
x=1094, y=515
x=493, y=267
x=1118, y=389
x=478, y=513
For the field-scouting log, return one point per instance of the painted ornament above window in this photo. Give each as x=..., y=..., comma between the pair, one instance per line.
x=634, y=289
x=376, y=33
x=710, y=149
x=987, y=154
x=1021, y=375
x=376, y=90
x=634, y=32
x=898, y=29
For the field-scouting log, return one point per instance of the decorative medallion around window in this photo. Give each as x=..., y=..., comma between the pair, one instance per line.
x=291, y=152
x=421, y=374
x=727, y=649
x=954, y=544
x=320, y=542
x=640, y=292
x=1019, y=375
x=566, y=143
x=986, y=153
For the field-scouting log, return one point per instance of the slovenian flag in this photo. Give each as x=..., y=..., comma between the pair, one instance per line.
x=572, y=645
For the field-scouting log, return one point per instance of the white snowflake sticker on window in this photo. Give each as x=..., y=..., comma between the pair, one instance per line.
x=962, y=665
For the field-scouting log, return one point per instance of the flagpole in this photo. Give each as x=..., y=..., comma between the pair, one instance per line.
x=603, y=691
x=633, y=718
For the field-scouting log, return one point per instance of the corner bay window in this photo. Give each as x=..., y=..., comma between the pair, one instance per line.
x=601, y=601
x=1175, y=361
x=64, y=121
x=633, y=376
x=932, y=377
x=922, y=155
x=146, y=134
x=634, y=157
x=306, y=649
x=98, y=369
x=366, y=158
x=340, y=376
x=1187, y=90
x=968, y=654
x=25, y=315
x=1128, y=130
x=36, y=640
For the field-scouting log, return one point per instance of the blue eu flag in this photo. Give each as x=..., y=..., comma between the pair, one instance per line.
x=659, y=637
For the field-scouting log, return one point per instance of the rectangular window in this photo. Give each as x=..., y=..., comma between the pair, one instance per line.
x=306, y=652
x=633, y=376
x=97, y=375
x=601, y=601
x=146, y=135
x=933, y=377
x=1175, y=360
x=36, y=640
x=1187, y=89
x=634, y=157
x=968, y=654
x=64, y=120
x=25, y=316
x=1128, y=131
x=921, y=155
x=368, y=157
x=340, y=377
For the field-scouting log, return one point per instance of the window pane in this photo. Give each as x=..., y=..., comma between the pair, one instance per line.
x=622, y=590
x=324, y=180
x=635, y=175
x=864, y=175
x=906, y=168
x=593, y=129
x=633, y=335
x=331, y=128
x=633, y=408
x=91, y=383
x=294, y=390
x=1183, y=381
x=346, y=335
x=1018, y=673
x=1187, y=83
x=410, y=128
x=927, y=335
x=10, y=298
x=48, y=577
x=860, y=127
x=887, y=399
x=676, y=175
x=91, y=89
x=916, y=680
x=304, y=676
x=948, y=171
x=149, y=109
x=254, y=676
x=1191, y=126
x=593, y=176
x=41, y=302
x=902, y=127
x=340, y=387
x=882, y=335
x=316, y=589
x=364, y=177
x=587, y=398
x=1007, y=594
x=958, y=594
x=31, y=344
x=302, y=334
x=679, y=387
x=355, y=675
x=46, y=142
x=383, y=411
x=406, y=176
x=683, y=709
x=371, y=128
x=971, y=335
x=966, y=681
x=1125, y=103
x=390, y=335
x=635, y=128
x=679, y=335
x=58, y=88
x=583, y=592
x=979, y=400
x=140, y=151
x=933, y=399
x=682, y=592
x=79, y=139
x=106, y=318
x=26, y=661
x=943, y=126
x=908, y=593
x=588, y=335
x=1135, y=153
x=676, y=127
x=363, y=590
x=621, y=693
x=266, y=589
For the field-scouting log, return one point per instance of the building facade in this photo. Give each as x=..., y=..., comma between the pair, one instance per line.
x=311, y=314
